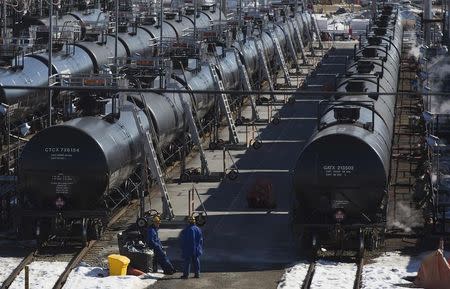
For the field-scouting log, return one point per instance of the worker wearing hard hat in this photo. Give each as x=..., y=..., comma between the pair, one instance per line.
x=154, y=243
x=192, y=248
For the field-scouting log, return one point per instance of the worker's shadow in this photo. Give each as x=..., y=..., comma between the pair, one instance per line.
x=166, y=278
x=411, y=285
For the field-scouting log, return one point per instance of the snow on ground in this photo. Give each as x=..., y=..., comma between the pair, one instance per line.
x=8, y=265
x=294, y=276
x=92, y=278
x=388, y=271
x=43, y=275
x=329, y=274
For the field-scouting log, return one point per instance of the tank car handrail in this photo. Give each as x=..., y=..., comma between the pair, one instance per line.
x=392, y=44
x=362, y=77
x=332, y=104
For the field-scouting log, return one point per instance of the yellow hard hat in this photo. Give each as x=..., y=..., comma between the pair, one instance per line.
x=156, y=220
x=191, y=220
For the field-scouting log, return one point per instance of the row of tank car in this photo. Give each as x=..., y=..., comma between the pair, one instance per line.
x=72, y=175
x=94, y=48
x=342, y=174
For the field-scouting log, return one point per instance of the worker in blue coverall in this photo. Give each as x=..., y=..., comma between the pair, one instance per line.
x=192, y=248
x=154, y=243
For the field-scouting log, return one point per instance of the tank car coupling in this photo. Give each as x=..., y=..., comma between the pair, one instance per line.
x=339, y=215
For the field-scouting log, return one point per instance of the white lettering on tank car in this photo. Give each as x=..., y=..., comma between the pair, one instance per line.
x=62, y=183
x=61, y=153
x=338, y=170
x=61, y=149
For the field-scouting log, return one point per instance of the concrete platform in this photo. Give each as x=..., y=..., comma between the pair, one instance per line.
x=246, y=248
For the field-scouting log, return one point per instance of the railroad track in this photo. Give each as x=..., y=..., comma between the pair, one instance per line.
x=308, y=281
x=73, y=258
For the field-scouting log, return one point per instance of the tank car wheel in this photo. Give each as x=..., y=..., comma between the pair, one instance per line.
x=257, y=144
x=84, y=229
x=94, y=230
x=25, y=229
x=361, y=243
x=372, y=241
x=308, y=244
x=232, y=175
x=38, y=233
x=314, y=242
x=42, y=232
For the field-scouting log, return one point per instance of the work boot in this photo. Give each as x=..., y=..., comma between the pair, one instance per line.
x=169, y=272
x=184, y=277
x=197, y=276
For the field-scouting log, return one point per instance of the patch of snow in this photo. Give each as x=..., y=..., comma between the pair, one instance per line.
x=42, y=275
x=329, y=274
x=8, y=265
x=388, y=271
x=294, y=276
x=96, y=277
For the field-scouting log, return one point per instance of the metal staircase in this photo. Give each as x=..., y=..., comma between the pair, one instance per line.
x=300, y=41
x=287, y=77
x=247, y=85
x=195, y=135
x=225, y=105
x=309, y=35
x=151, y=159
x=263, y=61
x=316, y=30
x=291, y=45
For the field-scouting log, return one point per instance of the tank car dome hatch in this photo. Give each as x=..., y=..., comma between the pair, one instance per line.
x=380, y=31
x=365, y=66
x=370, y=52
x=347, y=113
x=374, y=40
x=356, y=86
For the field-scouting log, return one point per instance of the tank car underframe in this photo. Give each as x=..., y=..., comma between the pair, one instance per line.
x=314, y=229
x=47, y=225
x=338, y=236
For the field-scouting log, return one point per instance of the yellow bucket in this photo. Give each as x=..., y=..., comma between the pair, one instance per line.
x=118, y=265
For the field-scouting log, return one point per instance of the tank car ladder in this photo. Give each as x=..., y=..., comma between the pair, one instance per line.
x=291, y=45
x=316, y=30
x=225, y=105
x=151, y=159
x=195, y=135
x=300, y=41
x=287, y=77
x=265, y=66
x=192, y=127
x=309, y=34
x=247, y=85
